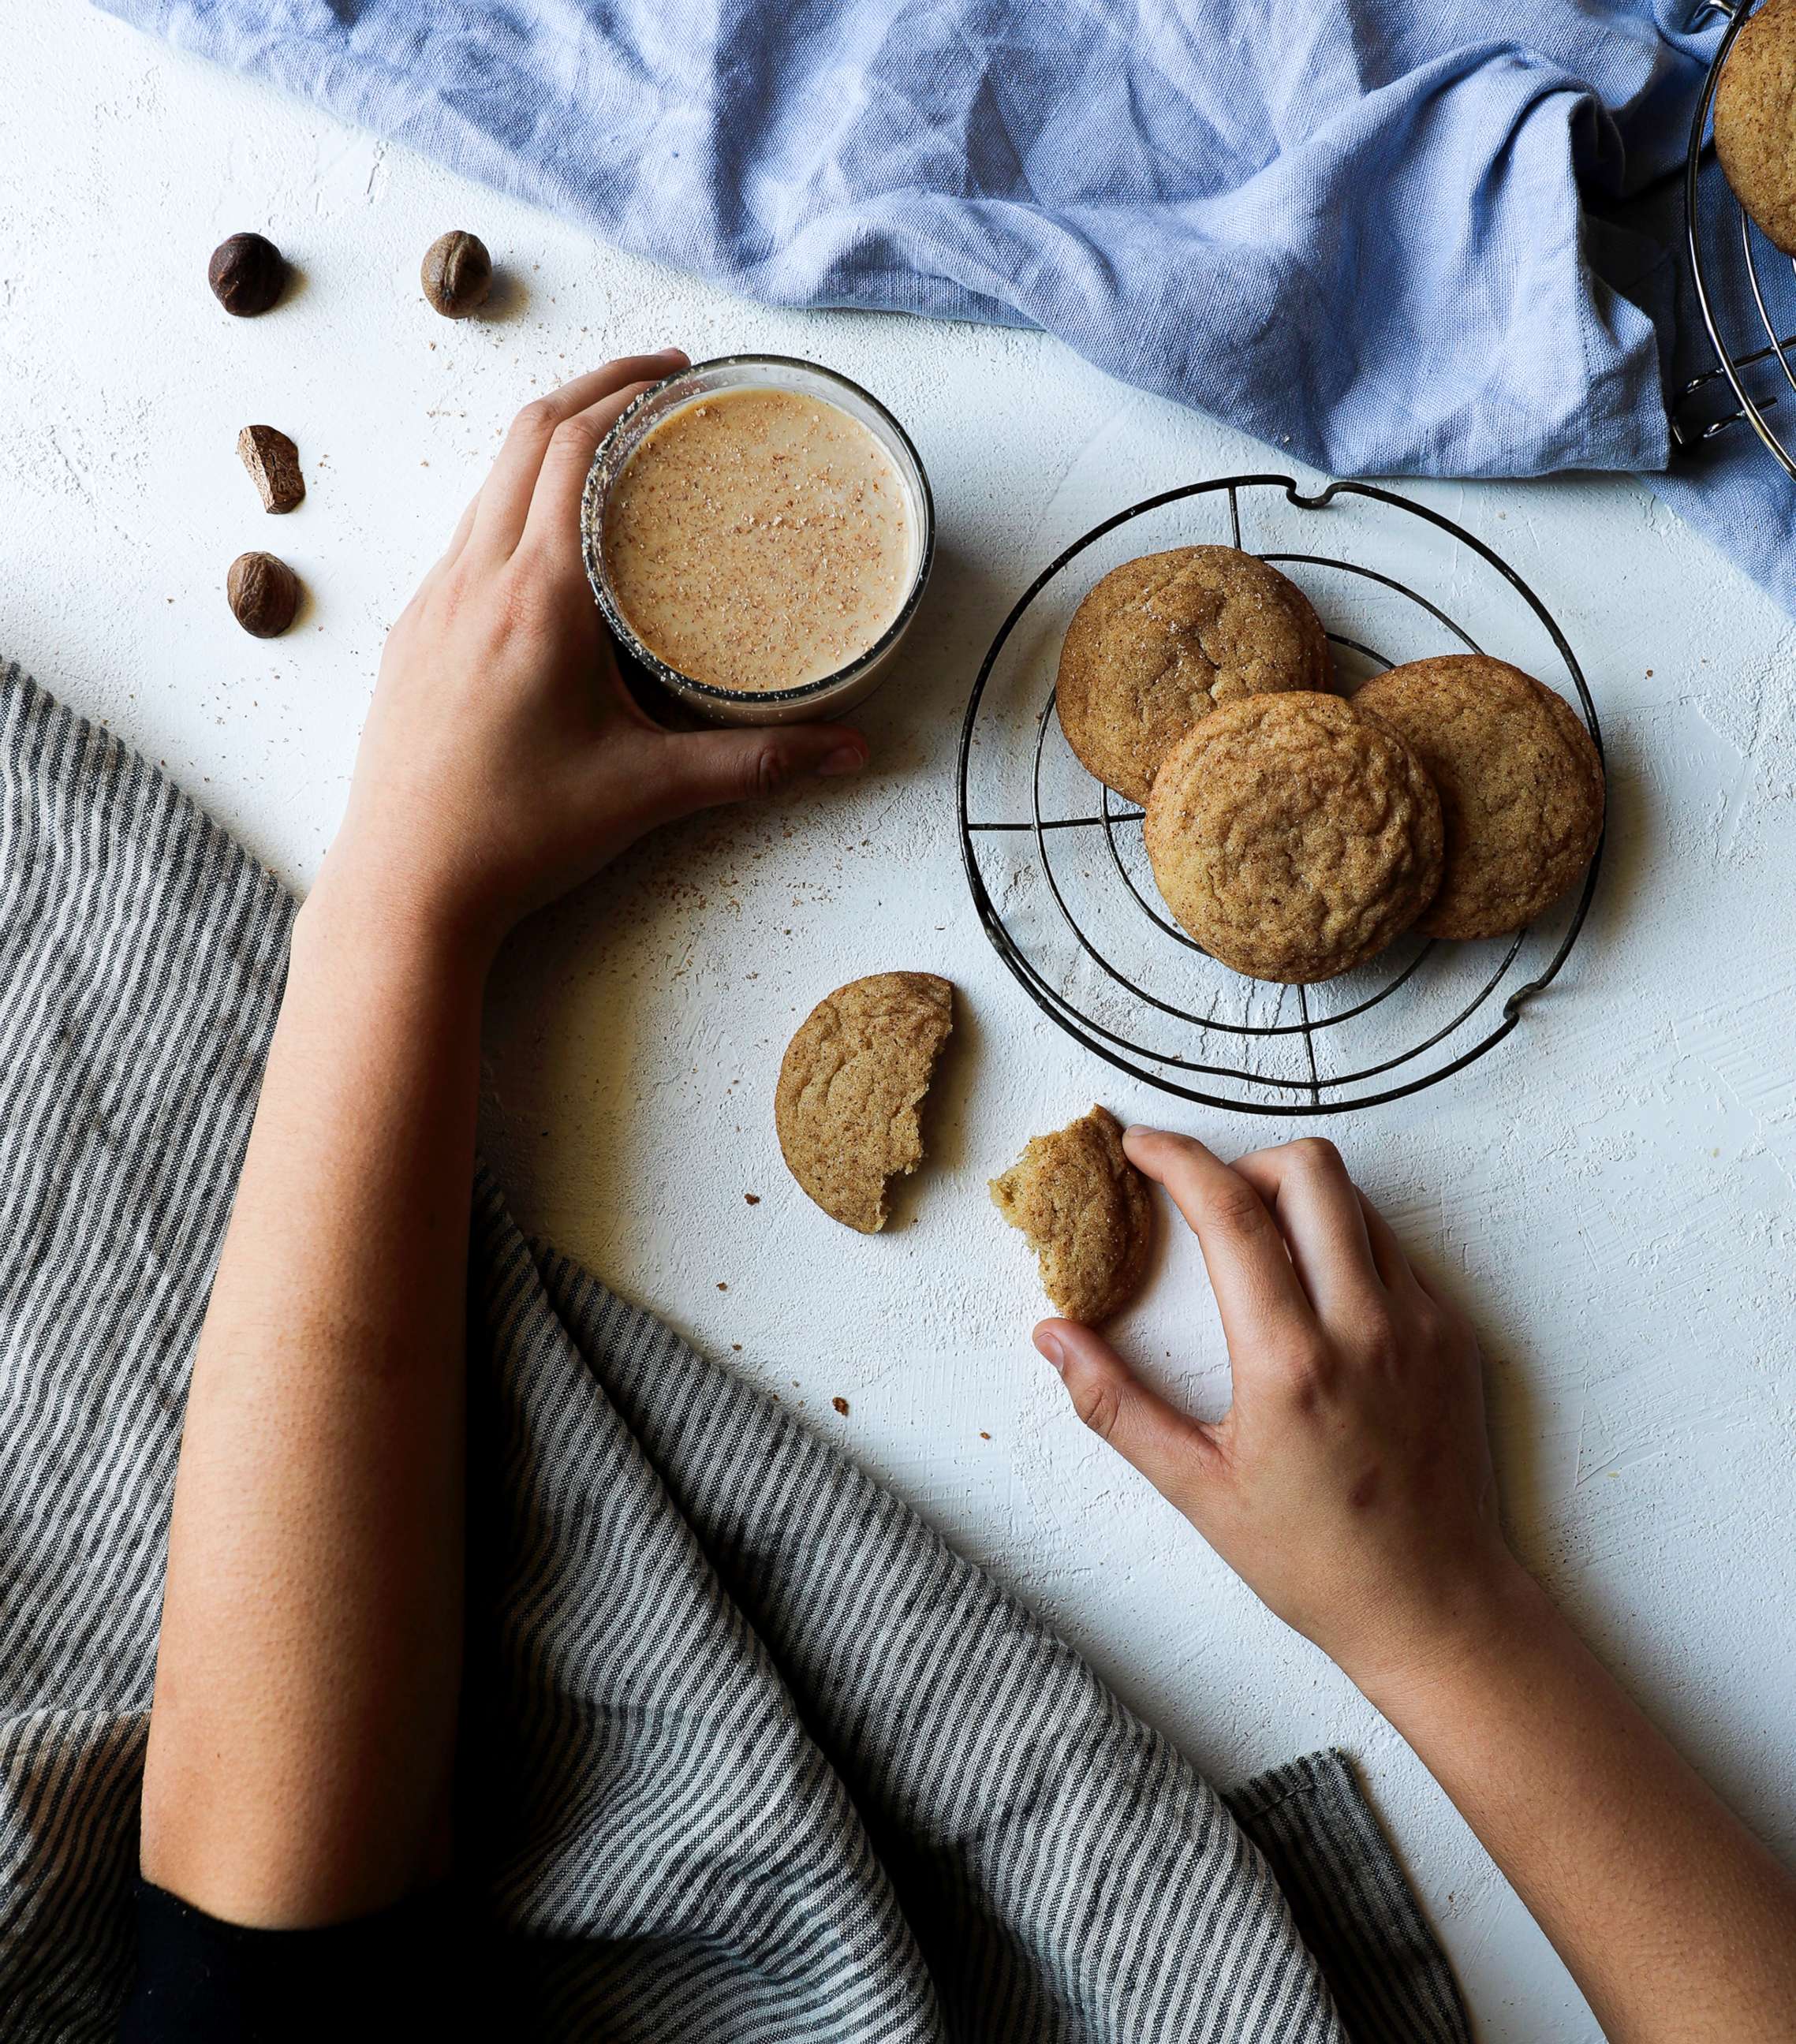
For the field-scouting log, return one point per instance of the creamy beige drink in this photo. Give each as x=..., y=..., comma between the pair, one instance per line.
x=760, y=538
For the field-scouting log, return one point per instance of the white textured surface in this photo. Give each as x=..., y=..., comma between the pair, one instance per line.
x=1611, y=1190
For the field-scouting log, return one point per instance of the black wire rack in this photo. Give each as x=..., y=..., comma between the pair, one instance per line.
x=1084, y=931
x=1709, y=229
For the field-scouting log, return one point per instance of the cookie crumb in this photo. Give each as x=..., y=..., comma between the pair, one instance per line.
x=721, y=1286
x=754, y=1198
x=983, y=1435
x=842, y=1405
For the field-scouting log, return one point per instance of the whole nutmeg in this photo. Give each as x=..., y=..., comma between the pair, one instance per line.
x=457, y=274
x=264, y=593
x=246, y=274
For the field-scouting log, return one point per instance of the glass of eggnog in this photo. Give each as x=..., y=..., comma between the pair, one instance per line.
x=758, y=531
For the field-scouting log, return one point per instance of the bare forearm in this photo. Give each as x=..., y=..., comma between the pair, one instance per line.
x=301, y=1738
x=1674, y=1921
x=1350, y=1483
x=304, y=1718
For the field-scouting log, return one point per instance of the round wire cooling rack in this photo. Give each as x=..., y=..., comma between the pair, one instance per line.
x=1058, y=871
x=1714, y=235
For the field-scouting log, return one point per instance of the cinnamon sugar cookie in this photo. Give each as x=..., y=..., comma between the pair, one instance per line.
x=852, y=1079
x=1160, y=641
x=1520, y=786
x=1087, y=1213
x=1755, y=121
x=1293, y=836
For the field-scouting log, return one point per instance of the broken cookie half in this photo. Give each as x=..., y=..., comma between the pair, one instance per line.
x=851, y=1084
x=1087, y=1213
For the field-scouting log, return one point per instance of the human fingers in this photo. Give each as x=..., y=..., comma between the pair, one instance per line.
x=1178, y=1455
x=1251, y=1272
x=504, y=498
x=551, y=527
x=1399, y=1276
x=458, y=539
x=1316, y=1207
x=691, y=771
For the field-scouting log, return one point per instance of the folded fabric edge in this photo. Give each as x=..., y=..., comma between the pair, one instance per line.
x=1351, y=1900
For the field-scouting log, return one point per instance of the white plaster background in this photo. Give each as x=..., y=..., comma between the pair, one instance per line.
x=1611, y=1191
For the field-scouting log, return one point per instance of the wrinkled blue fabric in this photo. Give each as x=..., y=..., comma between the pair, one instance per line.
x=1390, y=236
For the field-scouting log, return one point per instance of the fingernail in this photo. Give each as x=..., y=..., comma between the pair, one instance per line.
x=844, y=759
x=671, y=354
x=1049, y=1346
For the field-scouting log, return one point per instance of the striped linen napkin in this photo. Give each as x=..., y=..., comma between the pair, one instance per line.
x=762, y=1758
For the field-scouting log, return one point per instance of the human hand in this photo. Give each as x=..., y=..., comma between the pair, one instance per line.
x=503, y=759
x=1349, y=1484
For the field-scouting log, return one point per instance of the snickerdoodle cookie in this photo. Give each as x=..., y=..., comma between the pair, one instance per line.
x=1520, y=784
x=850, y=1085
x=1160, y=641
x=1087, y=1213
x=1293, y=836
x=1755, y=121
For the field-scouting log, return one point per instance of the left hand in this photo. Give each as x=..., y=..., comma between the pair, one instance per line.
x=503, y=760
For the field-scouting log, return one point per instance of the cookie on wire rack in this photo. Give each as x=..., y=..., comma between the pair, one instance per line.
x=1294, y=836
x=1160, y=641
x=1755, y=121
x=1519, y=780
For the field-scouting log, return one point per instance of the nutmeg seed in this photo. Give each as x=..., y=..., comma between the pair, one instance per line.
x=264, y=593
x=246, y=274
x=457, y=274
x=273, y=462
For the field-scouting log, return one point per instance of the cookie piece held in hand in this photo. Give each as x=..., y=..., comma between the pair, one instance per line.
x=1293, y=836
x=1755, y=121
x=1087, y=1213
x=1520, y=784
x=850, y=1085
x=1160, y=641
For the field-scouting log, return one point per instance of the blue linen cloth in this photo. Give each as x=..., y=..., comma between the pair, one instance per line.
x=1390, y=238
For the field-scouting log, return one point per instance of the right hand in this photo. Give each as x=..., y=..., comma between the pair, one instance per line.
x=1349, y=1484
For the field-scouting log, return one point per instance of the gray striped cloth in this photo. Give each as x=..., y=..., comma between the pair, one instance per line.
x=758, y=1757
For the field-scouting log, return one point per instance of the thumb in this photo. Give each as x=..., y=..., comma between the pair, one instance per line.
x=1175, y=1453
x=704, y=767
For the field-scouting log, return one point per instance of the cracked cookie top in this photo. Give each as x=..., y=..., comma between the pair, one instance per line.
x=1520, y=784
x=851, y=1084
x=1159, y=642
x=1293, y=836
